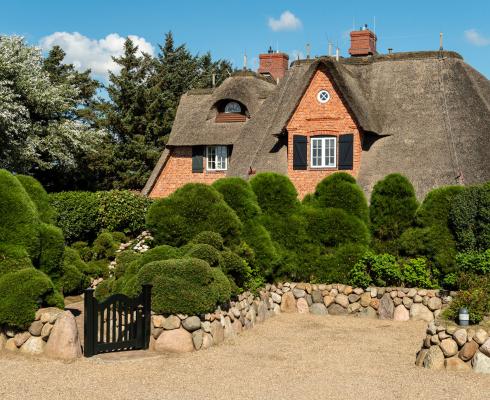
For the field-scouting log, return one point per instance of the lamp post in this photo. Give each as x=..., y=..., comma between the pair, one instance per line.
x=464, y=316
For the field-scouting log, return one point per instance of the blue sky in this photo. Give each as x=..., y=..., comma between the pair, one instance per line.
x=92, y=31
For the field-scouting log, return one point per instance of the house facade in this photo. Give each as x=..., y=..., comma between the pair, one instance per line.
x=423, y=114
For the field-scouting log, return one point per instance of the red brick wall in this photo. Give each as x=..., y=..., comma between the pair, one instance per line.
x=178, y=171
x=313, y=118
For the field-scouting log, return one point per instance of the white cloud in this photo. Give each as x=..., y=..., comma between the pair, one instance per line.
x=476, y=38
x=286, y=22
x=95, y=54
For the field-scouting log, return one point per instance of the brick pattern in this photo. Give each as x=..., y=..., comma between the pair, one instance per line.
x=178, y=172
x=313, y=118
x=275, y=64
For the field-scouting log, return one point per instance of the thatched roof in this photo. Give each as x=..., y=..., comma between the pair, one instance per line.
x=424, y=114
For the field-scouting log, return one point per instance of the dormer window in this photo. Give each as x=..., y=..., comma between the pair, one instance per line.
x=233, y=107
x=230, y=111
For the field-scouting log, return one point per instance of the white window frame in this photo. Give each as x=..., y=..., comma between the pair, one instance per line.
x=219, y=158
x=323, y=141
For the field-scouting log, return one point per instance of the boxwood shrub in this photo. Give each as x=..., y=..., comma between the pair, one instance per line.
x=435, y=208
x=275, y=193
x=52, y=249
x=377, y=269
x=237, y=268
x=239, y=195
x=74, y=273
x=23, y=293
x=204, y=252
x=13, y=258
x=193, y=208
x=211, y=238
x=40, y=197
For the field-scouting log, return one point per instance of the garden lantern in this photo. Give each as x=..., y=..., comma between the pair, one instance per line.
x=464, y=316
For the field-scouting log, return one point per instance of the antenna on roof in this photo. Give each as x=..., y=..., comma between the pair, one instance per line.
x=214, y=79
x=337, y=53
x=245, y=60
x=441, y=48
x=308, y=51
x=329, y=48
x=374, y=25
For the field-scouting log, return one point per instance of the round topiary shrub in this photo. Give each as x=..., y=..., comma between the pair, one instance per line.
x=204, y=252
x=188, y=286
x=77, y=214
x=435, y=208
x=377, y=269
x=236, y=267
x=40, y=198
x=340, y=190
x=332, y=227
x=265, y=253
x=52, y=249
x=393, y=207
x=123, y=260
x=193, y=208
x=275, y=193
x=73, y=278
x=104, y=247
x=23, y=293
x=13, y=258
x=239, y=195
x=211, y=238
x=19, y=224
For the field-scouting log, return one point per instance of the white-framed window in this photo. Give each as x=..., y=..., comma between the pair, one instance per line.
x=233, y=108
x=323, y=152
x=216, y=158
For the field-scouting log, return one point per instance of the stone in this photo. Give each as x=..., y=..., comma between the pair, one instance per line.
x=485, y=348
x=276, y=308
x=318, y=309
x=449, y=347
x=368, y=312
x=175, y=341
x=386, y=307
x=397, y=301
x=336, y=309
x=434, y=303
x=237, y=326
x=400, y=293
x=407, y=302
x=456, y=364
x=393, y=294
x=334, y=292
x=417, y=299
x=443, y=335
x=206, y=326
x=434, y=358
x=468, y=351
x=374, y=303
x=481, y=336
x=353, y=298
x=298, y=293
x=401, y=313
x=302, y=306
x=3, y=340
x=460, y=336
x=48, y=314
x=451, y=329
x=171, y=322
x=419, y=312
x=10, y=345
x=155, y=332
x=262, y=312
x=229, y=332
x=63, y=342
x=191, y=323
x=207, y=341
x=422, y=292
x=157, y=321
x=374, y=292
x=353, y=308
x=276, y=298
x=197, y=338
x=432, y=328
x=288, y=304
x=35, y=328
x=471, y=333
x=327, y=300
x=347, y=290
x=419, y=361
x=365, y=299
x=34, y=345
x=412, y=292
x=427, y=341
x=316, y=296
x=481, y=363
x=342, y=300
x=21, y=338
x=218, y=332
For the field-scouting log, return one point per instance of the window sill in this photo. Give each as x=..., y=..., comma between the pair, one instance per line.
x=215, y=171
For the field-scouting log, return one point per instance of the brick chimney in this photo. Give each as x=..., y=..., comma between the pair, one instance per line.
x=362, y=42
x=273, y=64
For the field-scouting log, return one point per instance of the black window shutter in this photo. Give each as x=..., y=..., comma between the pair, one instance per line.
x=197, y=158
x=346, y=151
x=299, y=152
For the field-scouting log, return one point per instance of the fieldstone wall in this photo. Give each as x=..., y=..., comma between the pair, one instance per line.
x=53, y=334
x=183, y=333
x=455, y=348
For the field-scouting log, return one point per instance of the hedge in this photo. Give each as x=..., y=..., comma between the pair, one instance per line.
x=236, y=267
x=193, y=208
x=211, y=238
x=40, y=198
x=275, y=193
x=204, y=252
x=23, y=293
x=13, y=258
x=73, y=272
x=265, y=253
x=52, y=249
x=188, y=286
x=239, y=195
x=340, y=190
x=435, y=208
x=19, y=224
x=377, y=269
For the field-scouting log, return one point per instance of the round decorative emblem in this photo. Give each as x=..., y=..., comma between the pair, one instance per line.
x=323, y=96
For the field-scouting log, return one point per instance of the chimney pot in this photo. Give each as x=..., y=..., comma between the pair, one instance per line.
x=362, y=42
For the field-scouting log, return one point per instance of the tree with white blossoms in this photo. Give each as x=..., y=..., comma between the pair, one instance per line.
x=38, y=130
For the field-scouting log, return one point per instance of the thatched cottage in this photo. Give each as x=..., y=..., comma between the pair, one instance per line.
x=423, y=114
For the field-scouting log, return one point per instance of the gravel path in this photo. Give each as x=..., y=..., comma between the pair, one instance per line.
x=289, y=356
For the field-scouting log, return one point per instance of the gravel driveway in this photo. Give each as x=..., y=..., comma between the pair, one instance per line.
x=290, y=356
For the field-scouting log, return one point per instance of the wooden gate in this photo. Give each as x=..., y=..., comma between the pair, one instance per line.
x=117, y=323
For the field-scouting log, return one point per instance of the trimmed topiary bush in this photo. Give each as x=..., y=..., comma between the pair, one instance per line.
x=265, y=253
x=194, y=208
x=77, y=214
x=211, y=238
x=416, y=272
x=84, y=249
x=123, y=260
x=340, y=190
x=204, y=252
x=13, y=258
x=52, y=249
x=39, y=197
x=19, y=224
x=239, y=195
x=104, y=247
x=188, y=286
x=73, y=276
x=275, y=193
x=393, y=207
x=122, y=210
x=435, y=208
x=474, y=262
x=236, y=267
x=23, y=293
x=377, y=269
x=469, y=218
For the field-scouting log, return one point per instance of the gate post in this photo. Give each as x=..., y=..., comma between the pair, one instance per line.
x=88, y=323
x=146, y=300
